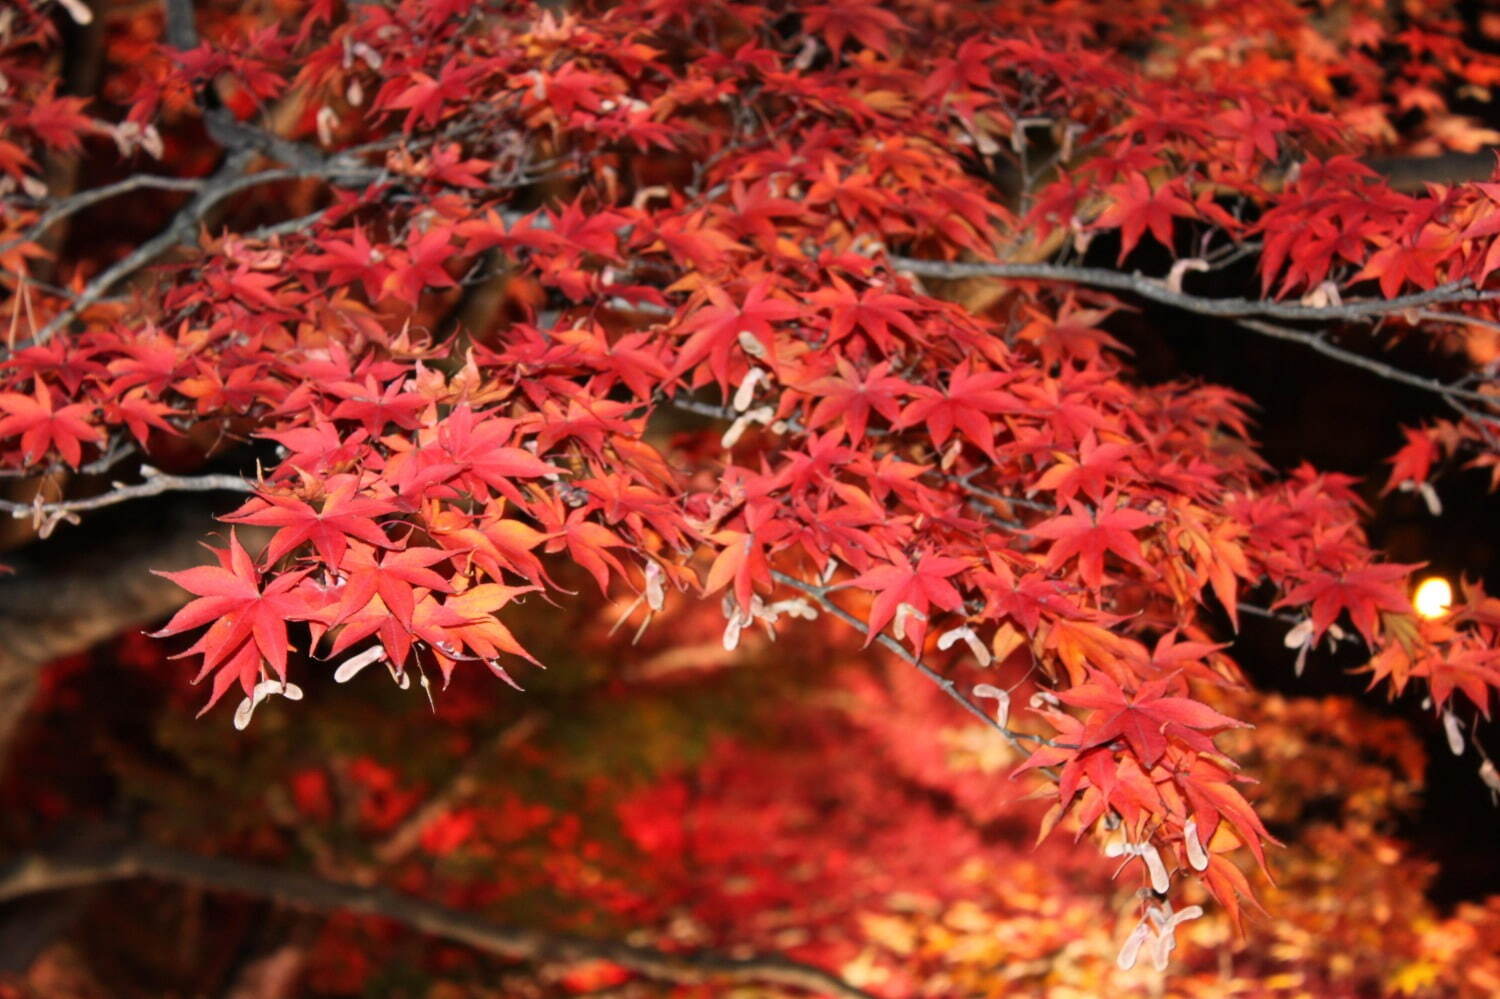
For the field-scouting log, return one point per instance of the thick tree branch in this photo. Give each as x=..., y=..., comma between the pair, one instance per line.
x=61, y=601
x=50, y=872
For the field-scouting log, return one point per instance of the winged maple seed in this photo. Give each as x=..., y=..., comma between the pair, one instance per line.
x=699, y=300
x=1001, y=698
x=1158, y=925
x=262, y=690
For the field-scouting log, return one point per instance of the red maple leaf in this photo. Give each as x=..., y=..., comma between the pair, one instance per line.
x=477, y=443
x=967, y=404
x=248, y=617
x=347, y=261
x=423, y=97
x=1089, y=534
x=1413, y=462
x=744, y=558
x=1362, y=592
x=1136, y=208
x=345, y=514
x=41, y=426
x=394, y=578
x=850, y=397
x=1095, y=468
x=1472, y=670
x=420, y=266
x=919, y=585
x=714, y=332
x=1211, y=794
x=872, y=311
x=1145, y=720
x=587, y=542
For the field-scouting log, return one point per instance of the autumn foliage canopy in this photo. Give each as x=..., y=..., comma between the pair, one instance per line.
x=686, y=326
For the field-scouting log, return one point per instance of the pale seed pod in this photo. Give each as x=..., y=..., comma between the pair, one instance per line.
x=903, y=612
x=1490, y=776
x=656, y=594
x=1160, y=882
x=1454, y=731
x=327, y=121
x=745, y=394
x=751, y=344
x=349, y=668
x=1197, y=857
x=1131, y=949
x=77, y=10
x=1002, y=708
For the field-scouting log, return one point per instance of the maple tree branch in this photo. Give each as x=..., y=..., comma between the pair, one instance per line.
x=20, y=283
x=50, y=514
x=42, y=872
x=1457, y=320
x=1243, y=311
x=1156, y=290
x=53, y=606
x=1451, y=394
x=237, y=136
x=820, y=595
x=181, y=27
x=1269, y=614
x=286, y=228
x=230, y=179
x=117, y=451
x=243, y=142
x=964, y=484
x=1322, y=345
x=84, y=199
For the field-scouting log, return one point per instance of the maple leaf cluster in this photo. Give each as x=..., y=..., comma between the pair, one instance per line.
x=729, y=363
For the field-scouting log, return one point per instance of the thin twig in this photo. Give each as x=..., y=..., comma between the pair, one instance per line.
x=36, y=873
x=1258, y=611
x=118, y=450
x=1457, y=320
x=820, y=594
x=1156, y=290
x=78, y=202
x=230, y=179
x=1321, y=344
x=48, y=515
x=286, y=228
x=181, y=27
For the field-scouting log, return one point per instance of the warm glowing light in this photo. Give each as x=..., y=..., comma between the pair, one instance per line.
x=1433, y=597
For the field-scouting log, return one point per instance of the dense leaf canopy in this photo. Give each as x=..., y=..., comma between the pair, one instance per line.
x=726, y=320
